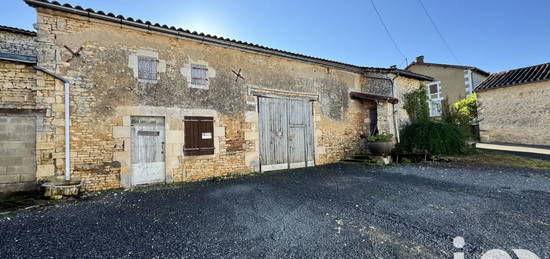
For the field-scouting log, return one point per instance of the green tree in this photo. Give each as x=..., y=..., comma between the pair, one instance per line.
x=416, y=104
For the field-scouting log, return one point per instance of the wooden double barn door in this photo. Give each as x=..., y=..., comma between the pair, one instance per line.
x=286, y=133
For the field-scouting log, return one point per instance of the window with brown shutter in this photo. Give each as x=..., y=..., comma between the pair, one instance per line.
x=199, y=135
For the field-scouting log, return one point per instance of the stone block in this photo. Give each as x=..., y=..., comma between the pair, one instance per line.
x=9, y=178
x=27, y=178
x=11, y=161
x=121, y=132
x=252, y=160
x=127, y=121
x=174, y=150
x=251, y=135
x=45, y=145
x=174, y=136
x=320, y=150
x=251, y=116
x=45, y=171
x=123, y=158
x=172, y=163
x=219, y=131
x=59, y=122
x=58, y=107
x=126, y=177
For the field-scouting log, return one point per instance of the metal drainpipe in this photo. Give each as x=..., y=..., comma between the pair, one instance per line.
x=67, y=120
x=394, y=111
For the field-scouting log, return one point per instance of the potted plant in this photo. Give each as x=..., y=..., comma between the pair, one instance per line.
x=381, y=144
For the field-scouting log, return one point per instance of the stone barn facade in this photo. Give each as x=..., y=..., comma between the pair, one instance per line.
x=514, y=106
x=156, y=104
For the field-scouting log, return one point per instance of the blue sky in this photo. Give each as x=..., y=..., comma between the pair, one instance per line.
x=493, y=35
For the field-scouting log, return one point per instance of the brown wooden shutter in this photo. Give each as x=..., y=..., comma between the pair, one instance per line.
x=199, y=135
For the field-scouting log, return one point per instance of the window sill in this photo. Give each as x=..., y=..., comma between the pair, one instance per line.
x=151, y=81
x=205, y=87
x=198, y=157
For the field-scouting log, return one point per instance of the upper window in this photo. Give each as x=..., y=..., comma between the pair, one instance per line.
x=147, y=68
x=435, y=99
x=434, y=89
x=199, y=135
x=199, y=74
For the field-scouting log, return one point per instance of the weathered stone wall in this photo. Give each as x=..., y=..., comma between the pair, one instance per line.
x=17, y=43
x=377, y=86
x=106, y=93
x=516, y=114
x=27, y=92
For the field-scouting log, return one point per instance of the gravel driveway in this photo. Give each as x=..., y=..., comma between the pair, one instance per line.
x=339, y=210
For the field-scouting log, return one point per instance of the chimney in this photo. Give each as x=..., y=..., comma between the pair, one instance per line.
x=420, y=60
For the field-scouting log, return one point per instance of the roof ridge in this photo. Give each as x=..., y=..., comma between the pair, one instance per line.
x=208, y=38
x=510, y=70
x=517, y=76
x=448, y=65
x=17, y=30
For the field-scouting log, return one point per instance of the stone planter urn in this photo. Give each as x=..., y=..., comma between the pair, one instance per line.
x=380, y=145
x=380, y=148
x=59, y=190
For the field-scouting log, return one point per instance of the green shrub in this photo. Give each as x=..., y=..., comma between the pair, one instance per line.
x=437, y=138
x=416, y=104
x=463, y=112
x=380, y=138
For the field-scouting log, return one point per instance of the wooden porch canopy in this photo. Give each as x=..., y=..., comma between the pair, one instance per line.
x=373, y=97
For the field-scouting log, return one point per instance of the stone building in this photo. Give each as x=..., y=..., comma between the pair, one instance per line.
x=451, y=82
x=514, y=106
x=150, y=103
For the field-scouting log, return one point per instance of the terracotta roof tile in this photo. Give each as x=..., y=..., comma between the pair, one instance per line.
x=17, y=30
x=215, y=39
x=518, y=76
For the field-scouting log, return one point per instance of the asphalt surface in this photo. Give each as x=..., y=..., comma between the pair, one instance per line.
x=339, y=210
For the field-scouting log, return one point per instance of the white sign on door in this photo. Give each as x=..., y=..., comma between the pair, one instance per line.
x=206, y=135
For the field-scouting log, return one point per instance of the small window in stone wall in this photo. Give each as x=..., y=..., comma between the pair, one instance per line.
x=199, y=74
x=147, y=68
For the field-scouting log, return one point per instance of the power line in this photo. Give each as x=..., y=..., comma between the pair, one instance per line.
x=387, y=31
x=438, y=32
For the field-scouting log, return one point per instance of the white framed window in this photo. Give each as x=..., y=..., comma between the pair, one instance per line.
x=199, y=75
x=147, y=68
x=469, y=82
x=435, y=99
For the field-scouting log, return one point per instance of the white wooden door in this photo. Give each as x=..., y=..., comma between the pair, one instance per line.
x=147, y=150
x=273, y=134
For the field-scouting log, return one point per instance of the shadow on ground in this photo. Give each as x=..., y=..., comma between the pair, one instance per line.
x=338, y=210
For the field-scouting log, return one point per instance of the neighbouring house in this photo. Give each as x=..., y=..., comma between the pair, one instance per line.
x=451, y=82
x=514, y=106
x=148, y=103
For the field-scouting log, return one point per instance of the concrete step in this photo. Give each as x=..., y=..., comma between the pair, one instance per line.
x=352, y=160
x=362, y=156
